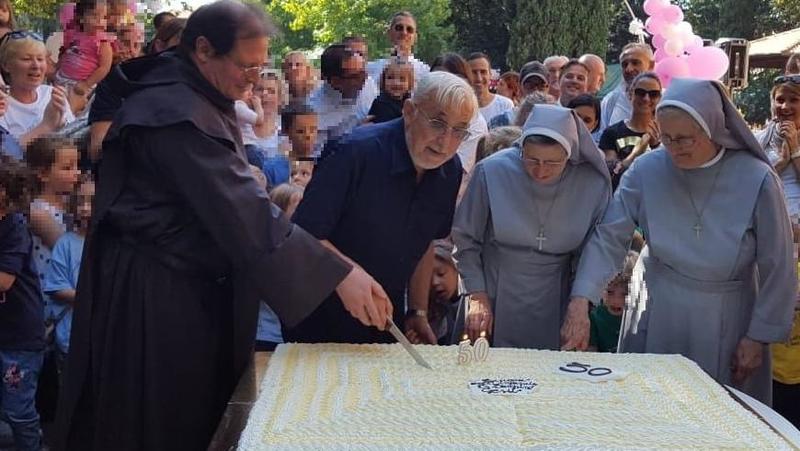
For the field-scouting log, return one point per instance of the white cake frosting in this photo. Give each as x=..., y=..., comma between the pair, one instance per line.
x=374, y=397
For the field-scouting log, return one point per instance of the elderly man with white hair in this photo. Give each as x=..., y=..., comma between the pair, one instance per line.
x=381, y=197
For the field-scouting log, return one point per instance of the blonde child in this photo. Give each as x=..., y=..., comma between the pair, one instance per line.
x=497, y=139
x=7, y=22
x=396, y=84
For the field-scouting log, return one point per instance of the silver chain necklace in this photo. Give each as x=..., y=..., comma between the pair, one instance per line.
x=698, y=223
x=541, y=238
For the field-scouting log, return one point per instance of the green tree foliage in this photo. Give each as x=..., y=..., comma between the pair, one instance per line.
x=39, y=9
x=749, y=19
x=482, y=26
x=327, y=21
x=558, y=27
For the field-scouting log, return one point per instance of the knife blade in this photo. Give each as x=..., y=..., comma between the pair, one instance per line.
x=398, y=335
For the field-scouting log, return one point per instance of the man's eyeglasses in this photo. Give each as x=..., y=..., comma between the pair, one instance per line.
x=549, y=164
x=441, y=127
x=686, y=141
x=250, y=73
x=641, y=93
x=794, y=78
x=400, y=28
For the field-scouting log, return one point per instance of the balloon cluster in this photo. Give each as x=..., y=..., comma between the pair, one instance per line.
x=680, y=52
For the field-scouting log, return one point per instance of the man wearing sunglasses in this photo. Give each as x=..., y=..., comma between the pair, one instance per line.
x=402, y=33
x=381, y=197
x=183, y=244
x=345, y=96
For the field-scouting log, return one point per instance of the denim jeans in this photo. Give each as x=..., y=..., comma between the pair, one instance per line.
x=19, y=374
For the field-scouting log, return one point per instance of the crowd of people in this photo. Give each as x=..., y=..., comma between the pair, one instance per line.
x=524, y=208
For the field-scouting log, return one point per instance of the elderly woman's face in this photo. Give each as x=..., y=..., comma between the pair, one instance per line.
x=544, y=163
x=434, y=132
x=786, y=104
x=27, y=66
x=687, y=144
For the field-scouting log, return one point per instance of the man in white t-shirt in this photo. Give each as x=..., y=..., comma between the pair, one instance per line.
x=490, y=104
x=634, y=59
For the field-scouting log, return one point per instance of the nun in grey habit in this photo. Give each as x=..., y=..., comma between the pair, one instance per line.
x=518, y=239
x=719, y=268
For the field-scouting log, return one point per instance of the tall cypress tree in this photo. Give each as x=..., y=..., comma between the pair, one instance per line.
x=556, y=27
x=482, y=26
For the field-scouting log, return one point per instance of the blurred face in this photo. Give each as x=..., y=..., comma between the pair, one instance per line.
x=403, y=34
x=397, y=82
x=130, y=44
x=352, y=79
x=85, y=196
x=444, y=281
x=62, y=176
x=683, y=138
x=481, y=76
x=303, y=134
x=3, y=102
x=433, y=133
x=504, y=90
x=615, y=298
x=96, y=19
x=534, y=84
x=544, y=163
x=233, y=74
x=786, y=105
x=360, y=48
x=301, y=174
x=267, y=90
x=28, y=66
x=574, y=81
x=597, y=75
x=295, y=69
x=553, y=72
x=633, y=63
x=588, y=115
x=5, y=14
x=645, y=96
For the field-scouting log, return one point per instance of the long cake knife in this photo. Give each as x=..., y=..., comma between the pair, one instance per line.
x=398, y=335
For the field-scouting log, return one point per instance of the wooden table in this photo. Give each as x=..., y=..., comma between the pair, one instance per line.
x=244, y=397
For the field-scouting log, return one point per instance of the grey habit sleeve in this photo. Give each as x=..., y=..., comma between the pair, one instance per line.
x=288, y=267
x=604, y=254
x=773, y=311
x=470, y=226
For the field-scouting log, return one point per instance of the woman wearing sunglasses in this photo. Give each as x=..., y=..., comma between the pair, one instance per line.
x=624, y=141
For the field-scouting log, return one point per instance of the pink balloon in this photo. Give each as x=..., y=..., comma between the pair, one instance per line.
x=651, y=7
x=673, y=48
x=695, y=43
x=654, y=25
x=708, y=63
x=672, y=67
x=659, y=41
x=660, y=55
x=671, y=14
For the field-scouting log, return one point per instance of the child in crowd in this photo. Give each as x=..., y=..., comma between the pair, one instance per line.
x=497, y=139
x=268, y=336
x=7, y=22
x=301, y=172
x=86, y=55
x=397, y=82
x=21, y=312
x=607, y=317
x=258, y=118
x=299, y=127
x=443, y=298
x=61, y=278
x=587, y=107
x=54, y=162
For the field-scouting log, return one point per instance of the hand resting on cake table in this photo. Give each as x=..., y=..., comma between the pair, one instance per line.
x=479, y=317
x=575, y=331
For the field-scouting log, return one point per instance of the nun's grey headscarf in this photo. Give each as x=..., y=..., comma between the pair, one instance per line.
x=706, y=102
x=566, y=127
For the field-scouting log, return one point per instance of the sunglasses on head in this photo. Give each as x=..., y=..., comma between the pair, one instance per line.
x=653, y=94
x=20, y=34
x=400, y=27
x=794, y=78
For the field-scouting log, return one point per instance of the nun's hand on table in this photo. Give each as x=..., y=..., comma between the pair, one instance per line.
x=418, y=331
x=479, y=316
x=748, y=358
x=575, y=331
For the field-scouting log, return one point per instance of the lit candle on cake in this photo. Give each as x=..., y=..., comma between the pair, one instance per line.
x=481, y=348
x=464, y=351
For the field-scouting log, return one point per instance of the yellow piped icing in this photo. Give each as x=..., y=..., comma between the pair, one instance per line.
x=374, y=397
